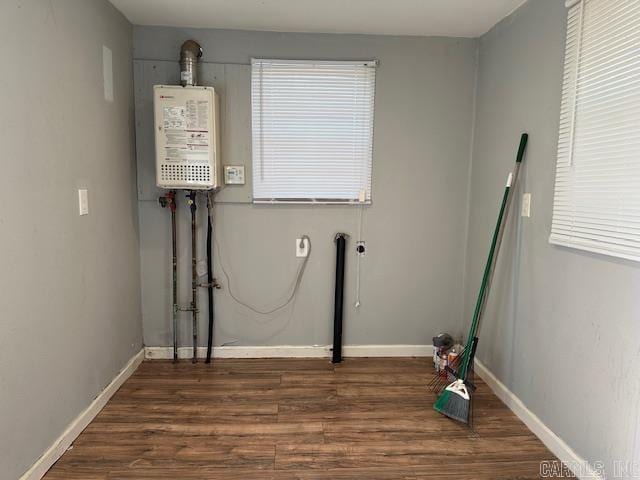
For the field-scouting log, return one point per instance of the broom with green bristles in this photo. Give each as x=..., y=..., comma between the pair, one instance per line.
x=455, y=399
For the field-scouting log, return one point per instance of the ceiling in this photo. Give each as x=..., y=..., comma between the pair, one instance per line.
x=457, y=18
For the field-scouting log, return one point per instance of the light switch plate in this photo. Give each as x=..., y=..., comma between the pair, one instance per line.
x=526, y=205
x=234, y=174
x=83, y=201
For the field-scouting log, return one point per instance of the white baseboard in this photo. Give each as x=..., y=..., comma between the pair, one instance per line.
x=387, y=350
x=293, y=351
x=578, y=465
x=55, y=451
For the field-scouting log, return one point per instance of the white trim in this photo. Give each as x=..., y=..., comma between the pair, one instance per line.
x=279, y=61
x=577, y=244
x=293, y=351
x=62, y=443
x=282, y=95
x=571, y=3
x=387, y=350
x=311, y=201
x=554, y=443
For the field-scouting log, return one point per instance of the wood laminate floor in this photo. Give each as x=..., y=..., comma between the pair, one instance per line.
x=367, y=418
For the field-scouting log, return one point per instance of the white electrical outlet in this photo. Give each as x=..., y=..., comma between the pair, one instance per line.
x=526, y=205
x=83, y=202
x=302, y=247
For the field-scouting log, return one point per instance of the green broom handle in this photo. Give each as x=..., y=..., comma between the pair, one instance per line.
x=519, y=157
x=485, y=278
x=491, y=260
x=523, y=144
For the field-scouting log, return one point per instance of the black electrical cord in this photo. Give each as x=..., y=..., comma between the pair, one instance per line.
x=210, y=280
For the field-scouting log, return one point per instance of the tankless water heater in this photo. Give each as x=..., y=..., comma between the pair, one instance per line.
x=187, y=134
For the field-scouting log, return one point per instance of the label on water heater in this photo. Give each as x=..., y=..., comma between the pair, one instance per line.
x=174, y=118
x=186, y=131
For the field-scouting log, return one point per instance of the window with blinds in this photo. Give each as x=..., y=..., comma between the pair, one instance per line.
x=312, y=129
x=597, y=191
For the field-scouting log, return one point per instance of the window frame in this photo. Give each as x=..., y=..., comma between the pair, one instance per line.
x=365, y=193
x=597, y=170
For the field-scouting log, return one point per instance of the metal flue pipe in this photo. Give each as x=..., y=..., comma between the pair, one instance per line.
x=190, y=54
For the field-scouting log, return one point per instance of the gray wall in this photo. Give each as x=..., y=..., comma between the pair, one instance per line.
x=561, y=329
x=69, y=287
x=415, y=229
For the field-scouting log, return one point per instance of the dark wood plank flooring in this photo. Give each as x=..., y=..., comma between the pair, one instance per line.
x=367, y=418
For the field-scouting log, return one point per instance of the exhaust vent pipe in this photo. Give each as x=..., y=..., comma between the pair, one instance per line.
x=190, y=54
x=341, y=242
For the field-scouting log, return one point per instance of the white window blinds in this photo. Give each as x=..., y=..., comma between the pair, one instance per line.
x=312, y=128
x=597, y=190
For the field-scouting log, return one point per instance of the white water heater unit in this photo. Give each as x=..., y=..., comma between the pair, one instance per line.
x=187, y=136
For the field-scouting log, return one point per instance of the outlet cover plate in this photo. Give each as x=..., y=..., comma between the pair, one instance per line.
x=304, y=251
x=526, y=205
x=83, y=201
